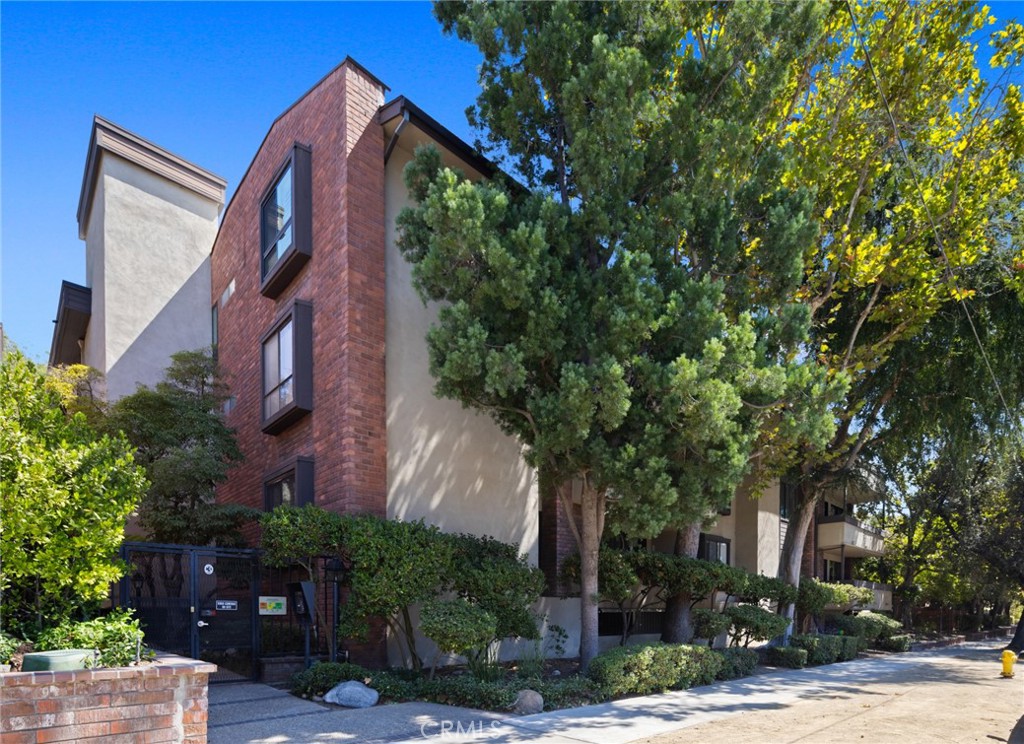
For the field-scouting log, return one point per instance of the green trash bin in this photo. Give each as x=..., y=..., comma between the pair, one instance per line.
x=66, y=660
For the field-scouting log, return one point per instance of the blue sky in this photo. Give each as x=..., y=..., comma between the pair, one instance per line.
x=204, y=80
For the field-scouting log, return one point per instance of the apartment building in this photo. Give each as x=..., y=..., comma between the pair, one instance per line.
x=311, y=308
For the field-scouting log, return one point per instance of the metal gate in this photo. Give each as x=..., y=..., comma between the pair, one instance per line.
x=198, y=602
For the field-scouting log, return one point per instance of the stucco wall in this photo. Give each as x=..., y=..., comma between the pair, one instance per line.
x=446, y=465
x=148, y=245
x=757, y=530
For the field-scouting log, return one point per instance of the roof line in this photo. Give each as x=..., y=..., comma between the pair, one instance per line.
x=115, y=139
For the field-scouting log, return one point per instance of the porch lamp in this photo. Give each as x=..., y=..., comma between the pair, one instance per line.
x=334, y=574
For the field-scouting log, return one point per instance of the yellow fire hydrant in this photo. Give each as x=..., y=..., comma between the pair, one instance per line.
x=1008, y=658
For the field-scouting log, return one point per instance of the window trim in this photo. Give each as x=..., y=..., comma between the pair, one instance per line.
x=300, y=313
x=302, y=467
x=300, y=251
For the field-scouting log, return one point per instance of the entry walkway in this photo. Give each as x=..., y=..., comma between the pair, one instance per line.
x=958, y=694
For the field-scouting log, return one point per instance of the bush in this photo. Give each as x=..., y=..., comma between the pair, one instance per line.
x=457, y=627
x=753, y=623
x=65, y=493
x=8, y=645
x=815, y=595
x=709, y=624
x=643, y=669
x=895, y=643
x=570, y=692
x=395, y=686
x=827, y=649
x=322, y=676
x=495, y=577
x=870, y=627
x=737, y=662
x=785, y=656
x=760, y=587
x=117, y=637
x=469, y=692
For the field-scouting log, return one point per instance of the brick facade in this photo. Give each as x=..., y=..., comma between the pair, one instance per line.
x=344, y=281
x=162, y=702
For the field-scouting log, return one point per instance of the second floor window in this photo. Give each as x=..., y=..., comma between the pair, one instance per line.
x=278, y=353
x=277, y=221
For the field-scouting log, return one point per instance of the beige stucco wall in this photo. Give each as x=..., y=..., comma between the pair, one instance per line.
x=756, y=544
x=446, y=465
x=148, y=252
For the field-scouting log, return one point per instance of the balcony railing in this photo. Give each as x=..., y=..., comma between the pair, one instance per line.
x=842, y=531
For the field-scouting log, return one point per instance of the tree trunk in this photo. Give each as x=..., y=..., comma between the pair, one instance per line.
x=592, y=524
x=791, y=558
x=1017, y=642
x=678, y=623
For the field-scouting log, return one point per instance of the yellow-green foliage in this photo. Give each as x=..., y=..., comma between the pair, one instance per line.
x=65, y=493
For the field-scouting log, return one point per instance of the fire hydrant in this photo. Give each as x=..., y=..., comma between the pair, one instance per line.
x=1008, y=658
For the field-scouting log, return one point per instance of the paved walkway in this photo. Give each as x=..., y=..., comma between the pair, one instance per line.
x=950, y=695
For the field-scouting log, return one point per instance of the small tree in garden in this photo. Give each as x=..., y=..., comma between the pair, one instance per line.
x=187, y=449
x=65, y=494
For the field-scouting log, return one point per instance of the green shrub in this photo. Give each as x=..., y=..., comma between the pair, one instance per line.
x=753, y=623
x=849, y=625
x=495, y=577
x=394, y=686
x=878, y=626
x=785, y=656
x=647, y=668
x=760, y=587
x=116, y=636
x=709, y=624
x=468, y=692
x=457, y=627
x=65, y=492
x=737, y=662
x=8, y=645
x=322, y=676
x=570, y=692
x=895, y=643
x=815, y=595
x=827, y=649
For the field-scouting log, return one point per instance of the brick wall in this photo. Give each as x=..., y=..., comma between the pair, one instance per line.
x=556, y=538
x=161, y=702
x=344, y=281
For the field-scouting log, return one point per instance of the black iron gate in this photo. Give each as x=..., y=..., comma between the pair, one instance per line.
x=198, y=602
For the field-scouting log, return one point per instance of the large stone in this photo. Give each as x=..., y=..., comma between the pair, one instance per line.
x=352, y=695
x=528, y=702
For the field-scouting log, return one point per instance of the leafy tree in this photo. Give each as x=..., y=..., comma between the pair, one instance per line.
x=65, y=493
x=187, y=449
x=896, y=237
x=629, y=315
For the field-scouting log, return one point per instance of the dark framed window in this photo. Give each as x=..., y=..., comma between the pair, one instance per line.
x=286, y=222
x=713, y=548
x=289, y=485
x=787, y=498
x=286, y=352
x=833, y=571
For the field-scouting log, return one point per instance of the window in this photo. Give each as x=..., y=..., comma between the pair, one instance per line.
x=214, y=330
x=287, y=364
x=286, y=223
x=833, y=571
x=713, y=548
x=787, y=499
x=289, y=485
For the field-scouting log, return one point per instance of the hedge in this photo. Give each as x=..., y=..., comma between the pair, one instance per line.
x=737, y=662
x=827, y=649
x=785, y=656
x=655, y=667
x=895, y=643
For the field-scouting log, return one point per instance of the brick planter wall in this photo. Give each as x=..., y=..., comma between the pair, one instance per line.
x=161, y=702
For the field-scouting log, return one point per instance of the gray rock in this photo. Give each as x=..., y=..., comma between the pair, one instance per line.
x=528, y=702
x=352, y=695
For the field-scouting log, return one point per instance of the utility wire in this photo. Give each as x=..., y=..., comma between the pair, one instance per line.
x=931, y=220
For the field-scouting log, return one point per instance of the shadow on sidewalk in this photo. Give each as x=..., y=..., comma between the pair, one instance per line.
x=1017, y=735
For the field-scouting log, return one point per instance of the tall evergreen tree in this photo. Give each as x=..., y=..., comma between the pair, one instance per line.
x=629, y=315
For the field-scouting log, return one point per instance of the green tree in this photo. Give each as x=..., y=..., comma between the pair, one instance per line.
x=187, y=449
x=915, y=158
x=65, y=494
x=629, y=316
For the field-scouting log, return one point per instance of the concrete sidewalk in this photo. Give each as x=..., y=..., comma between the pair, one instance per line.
x=275, y=717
